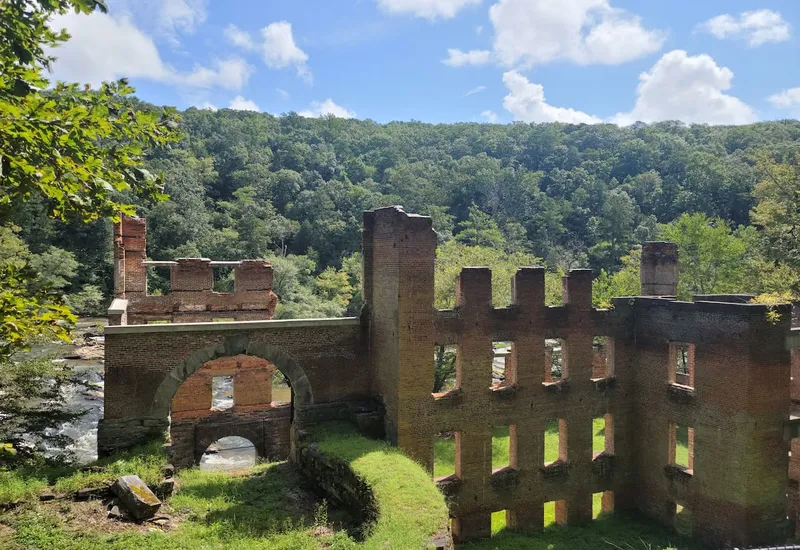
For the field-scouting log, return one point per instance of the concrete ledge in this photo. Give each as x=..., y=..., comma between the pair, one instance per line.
x=233, y=325
x=118, y=307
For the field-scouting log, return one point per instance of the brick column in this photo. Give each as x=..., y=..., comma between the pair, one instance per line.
x=659, y=269
x=577, y=357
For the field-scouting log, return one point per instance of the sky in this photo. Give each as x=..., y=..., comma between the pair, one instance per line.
x=590, y=61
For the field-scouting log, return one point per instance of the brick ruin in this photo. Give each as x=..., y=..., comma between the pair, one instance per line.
x=731, y=395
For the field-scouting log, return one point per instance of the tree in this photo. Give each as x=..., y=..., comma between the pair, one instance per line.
x=712, y=258
x=81, y=150
x=625, y=282
x=479, y=229
x=777, y=212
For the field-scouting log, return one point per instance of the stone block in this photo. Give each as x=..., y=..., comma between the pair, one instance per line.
x=137, y=497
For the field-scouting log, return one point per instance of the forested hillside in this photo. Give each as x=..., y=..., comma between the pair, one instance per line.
x=251, y=185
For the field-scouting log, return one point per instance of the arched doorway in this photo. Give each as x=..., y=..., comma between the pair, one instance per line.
x=229, y=453
x=234, y=389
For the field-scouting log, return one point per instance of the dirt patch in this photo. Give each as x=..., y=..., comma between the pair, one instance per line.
x=92, y=515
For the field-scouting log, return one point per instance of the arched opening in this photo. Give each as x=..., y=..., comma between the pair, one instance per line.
x=250, y=391
x=231, y=453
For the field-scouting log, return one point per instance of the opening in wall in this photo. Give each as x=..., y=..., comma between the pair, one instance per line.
x=603, y=435
x=281, y=390
x=555, y=360
x=681, y=518
x=681, y=364
x=504, y=447
x=222, y=392
x=555, y=441
x=159, y=279
x=602, y=357
x=223, y=278
x=602, y=504
x=555, y=513
x=681, y=446
x=503, y=365
x=445, y=369
x=444, y=454
x=499, y=521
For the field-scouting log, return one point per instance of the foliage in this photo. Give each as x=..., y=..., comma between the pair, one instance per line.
x=88, y=301
x=32, y=406
x=76, y=151
x=711, y=256
x=777, y=212
x=452, y=256
x=625, y=282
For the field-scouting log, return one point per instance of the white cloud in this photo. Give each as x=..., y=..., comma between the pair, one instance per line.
x=231, y=74
x=478, y=29
x=786, y=98
x=207, y=106
x=280, y=50
x=283, y=93
x=475, y=90
x=181, y=16
x=241, y=104
x=529, y=32
x=457, y=58
x=429, y=9
x=327, y=107
x=240, y=38
x=687, y=88
x=757, y=27
x=105, y=48
x=527, y=103
x=490, y=116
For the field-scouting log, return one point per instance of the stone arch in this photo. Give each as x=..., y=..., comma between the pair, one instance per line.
x=251, y=431
x=233, y=345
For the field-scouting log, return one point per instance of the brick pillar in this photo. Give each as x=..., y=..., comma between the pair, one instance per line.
x=192, y=275
x=659, y=269
x=130, y=250
x=577, y=359
x=252, y=275
x=399, y=252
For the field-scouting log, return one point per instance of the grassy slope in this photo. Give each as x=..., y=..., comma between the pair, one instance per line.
x=411, y=509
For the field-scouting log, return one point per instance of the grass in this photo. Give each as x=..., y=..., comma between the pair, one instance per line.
x=410, y=507
x=26, y=483
x=269, y=507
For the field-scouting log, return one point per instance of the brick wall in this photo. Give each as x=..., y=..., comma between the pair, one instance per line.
x=191, y=298
x=735, y=398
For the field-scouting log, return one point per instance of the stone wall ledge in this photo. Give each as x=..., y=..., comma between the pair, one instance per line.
x=232, y=325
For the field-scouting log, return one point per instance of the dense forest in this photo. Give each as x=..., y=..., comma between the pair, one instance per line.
x=293, y=189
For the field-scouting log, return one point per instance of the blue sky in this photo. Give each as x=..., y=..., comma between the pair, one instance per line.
x=713, y=61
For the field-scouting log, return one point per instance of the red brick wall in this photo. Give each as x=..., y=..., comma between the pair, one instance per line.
x=137, y=363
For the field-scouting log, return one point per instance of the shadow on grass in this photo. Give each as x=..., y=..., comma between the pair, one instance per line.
x=277, y=499
x=629, y=532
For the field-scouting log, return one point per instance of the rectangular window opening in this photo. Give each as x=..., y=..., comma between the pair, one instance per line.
x=555, y=360
x=499, y=521
x=445, y=369
x=682, y=519
x=159, y=280
x=504, y=372
x=602, y=357
x=602, y=504
x=222, y=392
x=281, y=390
x=603, y=435
x=444, y=454
x=555, y=513
x=504, y=447
x=681, y=364
x=223, y=278
x=555, y=441
x=681, y=446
